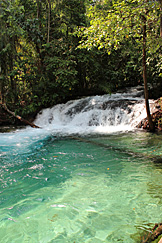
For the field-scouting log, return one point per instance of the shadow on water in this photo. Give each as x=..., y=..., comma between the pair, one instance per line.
x=157, y=159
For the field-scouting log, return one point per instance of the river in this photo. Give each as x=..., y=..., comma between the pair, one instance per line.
x=87, y=175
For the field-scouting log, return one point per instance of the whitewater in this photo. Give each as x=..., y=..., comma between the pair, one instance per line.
x=96, y=114
x=86, y=175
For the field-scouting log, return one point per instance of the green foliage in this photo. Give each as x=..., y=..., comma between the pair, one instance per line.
x=41, y=63
x=111, y=24
x=116, y=26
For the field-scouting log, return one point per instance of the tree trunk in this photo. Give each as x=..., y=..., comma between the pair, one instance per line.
x=38, y=9
x=152, y=127
x=19, y=117
x=12, y=57
x=39, y=12
x=160, y=18
x=1, y=89
x=49, y=20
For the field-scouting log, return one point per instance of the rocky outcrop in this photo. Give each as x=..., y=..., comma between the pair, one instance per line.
x=156, y=117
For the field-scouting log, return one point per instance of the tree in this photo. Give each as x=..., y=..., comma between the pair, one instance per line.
x=113, y=22
x=144, y=27
x=38, y=64
x=160, y=1
x=10, y=31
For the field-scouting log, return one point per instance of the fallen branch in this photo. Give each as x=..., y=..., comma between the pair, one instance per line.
x=4, y=106
x=154, y=234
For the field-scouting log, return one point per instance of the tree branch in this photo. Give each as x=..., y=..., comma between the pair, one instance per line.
x=4, y=106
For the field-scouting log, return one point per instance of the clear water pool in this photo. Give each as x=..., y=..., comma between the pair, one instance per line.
x=79, y=189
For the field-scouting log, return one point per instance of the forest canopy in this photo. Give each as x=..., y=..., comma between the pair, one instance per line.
x=55, y=50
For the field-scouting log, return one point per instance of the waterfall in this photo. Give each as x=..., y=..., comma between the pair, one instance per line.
x=96, y=114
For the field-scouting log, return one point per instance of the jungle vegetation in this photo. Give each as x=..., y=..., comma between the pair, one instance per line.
x=55, y=50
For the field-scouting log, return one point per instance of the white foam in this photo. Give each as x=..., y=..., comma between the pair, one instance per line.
x=96, y=114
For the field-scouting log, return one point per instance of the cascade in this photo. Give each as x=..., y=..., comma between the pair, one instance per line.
x=85, y=188
x=96, y=114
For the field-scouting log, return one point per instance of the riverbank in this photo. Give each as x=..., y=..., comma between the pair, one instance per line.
x=7, y=119
x=156, y=114
x=10, y=128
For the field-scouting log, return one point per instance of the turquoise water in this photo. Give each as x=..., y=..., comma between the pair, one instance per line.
x=79, y=189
